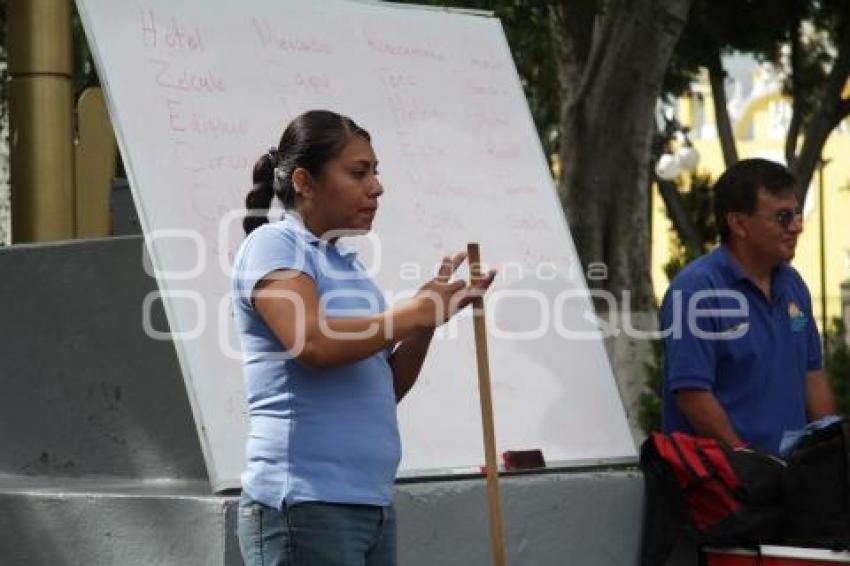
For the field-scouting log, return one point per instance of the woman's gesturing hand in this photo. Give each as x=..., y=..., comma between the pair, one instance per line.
x=441, y=298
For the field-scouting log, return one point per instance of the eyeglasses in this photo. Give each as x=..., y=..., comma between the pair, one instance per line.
x=785, y=217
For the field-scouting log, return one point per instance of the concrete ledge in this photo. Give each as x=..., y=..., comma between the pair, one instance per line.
x=114, y=522
x=85, y=391
x=583, y=518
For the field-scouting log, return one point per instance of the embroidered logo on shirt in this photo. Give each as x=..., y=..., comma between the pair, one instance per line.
x=798, y=317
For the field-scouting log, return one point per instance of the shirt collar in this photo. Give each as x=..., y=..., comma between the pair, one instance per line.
x=731, y=269
x=734, y=272
x=294, y=220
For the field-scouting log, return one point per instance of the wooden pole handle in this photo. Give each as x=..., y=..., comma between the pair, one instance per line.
x=497, y=538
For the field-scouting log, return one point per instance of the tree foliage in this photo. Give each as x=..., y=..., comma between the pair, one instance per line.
x=837, y=364
x=808, y=41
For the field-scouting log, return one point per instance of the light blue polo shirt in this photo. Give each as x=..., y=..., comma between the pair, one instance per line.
x=315, y=435
x=753, y=354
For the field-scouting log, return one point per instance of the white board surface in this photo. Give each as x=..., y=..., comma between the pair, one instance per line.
x=198, y=89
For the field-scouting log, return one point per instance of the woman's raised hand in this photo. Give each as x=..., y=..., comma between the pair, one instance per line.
x=441, y=298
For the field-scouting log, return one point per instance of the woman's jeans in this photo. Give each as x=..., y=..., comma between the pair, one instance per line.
x=316, y=534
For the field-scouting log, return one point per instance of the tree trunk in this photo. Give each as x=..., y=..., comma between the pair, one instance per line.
x=796, y=88
x=831, y=109
x=717, y=78
x=679, y=216
x=606, y=127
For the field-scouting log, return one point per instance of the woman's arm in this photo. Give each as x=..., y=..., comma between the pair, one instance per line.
x=288, y=302
x=406, y=361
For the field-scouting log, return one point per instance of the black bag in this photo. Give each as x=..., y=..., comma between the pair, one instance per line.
x=719, y=496
x=817, y=489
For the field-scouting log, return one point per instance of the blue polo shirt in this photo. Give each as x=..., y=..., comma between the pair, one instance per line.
x=315, y=435
x=723, y=335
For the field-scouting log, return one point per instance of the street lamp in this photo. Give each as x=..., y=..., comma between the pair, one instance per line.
x=667, y=167
x=686, y=158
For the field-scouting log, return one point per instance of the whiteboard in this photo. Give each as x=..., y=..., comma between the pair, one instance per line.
x=198, y=89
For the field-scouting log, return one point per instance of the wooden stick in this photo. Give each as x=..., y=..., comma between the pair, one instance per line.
x=497, y=538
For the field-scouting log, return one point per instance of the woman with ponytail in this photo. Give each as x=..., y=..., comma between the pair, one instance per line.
x=260, y=197
x=325, y=359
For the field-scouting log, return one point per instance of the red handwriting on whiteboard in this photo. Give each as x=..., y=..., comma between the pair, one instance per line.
x=521, y=190
x=486, y=118
x=487, y=90
x=172, y=35
x=526, y=222
x=396, y=49
x=199, y=159
x=394, y=79
x=535, y=257
x=504, y=152
x=311, y=82
x=182, y=78
x=414, y=176
x=270, y=38
x=443, y=220
x=435, y=222
x=186, y=120
x=411, y=148
x=444, y=190
x=485, y=63
x=437, y=241
x=406, y=110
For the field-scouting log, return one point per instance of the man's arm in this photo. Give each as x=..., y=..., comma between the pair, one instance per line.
x=705, y=414
x=690, y=362
x=820, y=401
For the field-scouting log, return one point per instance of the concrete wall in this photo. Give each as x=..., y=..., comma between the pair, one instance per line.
x=101, y=465
x=581, y=518
x=84, y=390
x=110, y=522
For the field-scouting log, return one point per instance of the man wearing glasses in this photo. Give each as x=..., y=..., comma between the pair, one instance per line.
x=742, y=352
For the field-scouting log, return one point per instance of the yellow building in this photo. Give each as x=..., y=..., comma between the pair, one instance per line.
x=760, y=132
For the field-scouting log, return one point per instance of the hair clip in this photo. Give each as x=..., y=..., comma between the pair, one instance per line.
x=272, y=153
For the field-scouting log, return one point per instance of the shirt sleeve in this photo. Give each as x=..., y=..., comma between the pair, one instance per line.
x=689, y=358
x=272, y=250
x=814, y=357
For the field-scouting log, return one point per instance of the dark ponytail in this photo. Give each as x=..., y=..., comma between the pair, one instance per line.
x=309, y=141
x=259, y=198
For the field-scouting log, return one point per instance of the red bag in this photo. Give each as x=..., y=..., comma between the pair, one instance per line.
x=722, y=497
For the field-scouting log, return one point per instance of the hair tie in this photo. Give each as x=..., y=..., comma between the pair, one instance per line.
x=273, y=157
x=277, y=174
